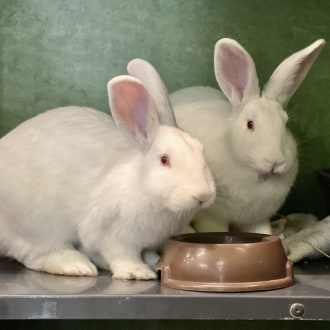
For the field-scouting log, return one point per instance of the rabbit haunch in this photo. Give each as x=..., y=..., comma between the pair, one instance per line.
x=79, y=188
x=248, y=147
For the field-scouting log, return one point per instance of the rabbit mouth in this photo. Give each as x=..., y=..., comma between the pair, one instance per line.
x=274, y=169
x=266, y=176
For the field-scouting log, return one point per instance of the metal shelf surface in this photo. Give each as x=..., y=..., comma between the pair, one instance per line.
x=26, y=294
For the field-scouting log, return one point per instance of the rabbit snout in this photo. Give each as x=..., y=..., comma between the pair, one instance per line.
x=203, y=192
x=204, y=198
x=276, y=165
x=198, y=194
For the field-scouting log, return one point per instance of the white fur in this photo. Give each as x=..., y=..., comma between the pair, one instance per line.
x=254, y=169
x=78, y=189
x=310, y=242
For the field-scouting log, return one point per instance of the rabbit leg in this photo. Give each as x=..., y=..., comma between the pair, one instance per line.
x=260, y=228
x=188, y=229
x=126, y=264
x=208, y=221
x=151, y=258
x=64, y=262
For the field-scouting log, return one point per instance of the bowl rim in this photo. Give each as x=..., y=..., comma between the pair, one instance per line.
x=260, y=238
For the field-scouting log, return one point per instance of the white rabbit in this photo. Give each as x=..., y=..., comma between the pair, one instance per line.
x=249, y=149
x=79, y=189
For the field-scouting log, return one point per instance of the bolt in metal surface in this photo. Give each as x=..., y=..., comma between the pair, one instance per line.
x=297, y=310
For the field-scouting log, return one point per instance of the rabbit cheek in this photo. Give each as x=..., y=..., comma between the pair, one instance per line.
x=158, y=184
x=278, y=157
x=168, y=190
x=192, y=195
x=241, y=147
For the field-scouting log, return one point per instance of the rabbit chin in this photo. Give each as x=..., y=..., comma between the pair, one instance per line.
x=265, y=176
x=271, y=173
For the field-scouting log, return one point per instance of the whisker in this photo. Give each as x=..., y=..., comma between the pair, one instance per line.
x=216, y=178
x=216, y=175
x=307, y=163
x=219, y=193
x=303, y=142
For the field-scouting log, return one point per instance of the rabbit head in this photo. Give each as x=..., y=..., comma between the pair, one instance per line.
x=258, y=135
x=172, y=168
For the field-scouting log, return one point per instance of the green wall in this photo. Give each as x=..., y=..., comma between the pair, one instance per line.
x=61, y=52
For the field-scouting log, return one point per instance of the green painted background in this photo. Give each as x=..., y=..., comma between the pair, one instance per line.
x=63, y=52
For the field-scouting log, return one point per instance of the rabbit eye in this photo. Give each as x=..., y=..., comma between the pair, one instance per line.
x=165, y=160
x=250, y=125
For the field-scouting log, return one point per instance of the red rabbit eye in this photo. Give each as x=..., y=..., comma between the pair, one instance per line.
x=165, y=160
x=250, y=125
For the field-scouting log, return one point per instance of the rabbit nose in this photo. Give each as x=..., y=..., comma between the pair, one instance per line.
x=203, y=197
x=199, y=201
x=275, y=165
x=279, y=167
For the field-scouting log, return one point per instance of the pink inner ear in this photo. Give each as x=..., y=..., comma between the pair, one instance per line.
x=235, y=69
x=131, y=101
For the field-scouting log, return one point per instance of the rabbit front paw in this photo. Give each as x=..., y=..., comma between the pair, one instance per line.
x=64, y=262
x=133, y=271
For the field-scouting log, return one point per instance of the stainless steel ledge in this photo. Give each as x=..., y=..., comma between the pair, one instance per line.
x=26, y=294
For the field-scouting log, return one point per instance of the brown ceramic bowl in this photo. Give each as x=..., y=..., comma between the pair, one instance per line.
x=225, y=262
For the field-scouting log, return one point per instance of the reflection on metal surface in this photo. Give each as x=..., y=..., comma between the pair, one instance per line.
x=17, y=280
x=25, y=294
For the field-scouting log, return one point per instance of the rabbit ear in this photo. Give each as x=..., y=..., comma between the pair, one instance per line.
x=235, y=72
x=133, y=110
x=291, y=72
x=145, y=72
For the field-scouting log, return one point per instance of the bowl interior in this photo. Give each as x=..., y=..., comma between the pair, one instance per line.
x=221, y=238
